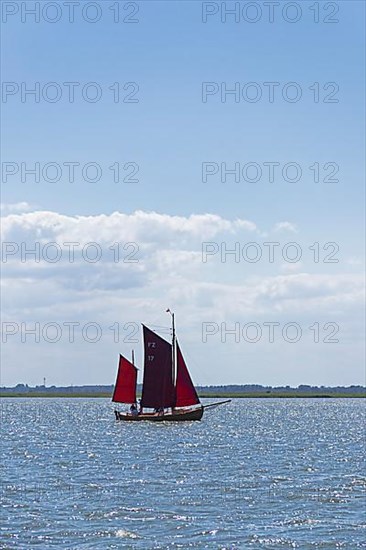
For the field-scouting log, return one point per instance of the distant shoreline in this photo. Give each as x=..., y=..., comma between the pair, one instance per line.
x=260, y=395
x=241, y=391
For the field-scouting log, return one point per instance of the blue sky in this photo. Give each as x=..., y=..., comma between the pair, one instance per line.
x=169, y=133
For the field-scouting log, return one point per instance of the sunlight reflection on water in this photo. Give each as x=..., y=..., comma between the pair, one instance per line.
x=274, y=473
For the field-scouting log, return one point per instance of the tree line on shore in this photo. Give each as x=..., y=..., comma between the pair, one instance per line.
x=232, y=390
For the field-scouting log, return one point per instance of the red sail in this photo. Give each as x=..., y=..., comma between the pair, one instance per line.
x=157, y=389
x=186, y=394
x=125, y=388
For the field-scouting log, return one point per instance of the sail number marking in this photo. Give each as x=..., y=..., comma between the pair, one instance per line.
x=151, y=345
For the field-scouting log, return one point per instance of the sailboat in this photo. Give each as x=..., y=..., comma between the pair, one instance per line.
x=167, y=386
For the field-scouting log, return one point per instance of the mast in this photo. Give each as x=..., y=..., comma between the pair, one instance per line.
x=133, y=357
x=174, y=348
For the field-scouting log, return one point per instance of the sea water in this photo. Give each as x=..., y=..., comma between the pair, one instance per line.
x=256, y=473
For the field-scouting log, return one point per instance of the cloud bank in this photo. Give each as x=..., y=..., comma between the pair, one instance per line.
x=150, y=261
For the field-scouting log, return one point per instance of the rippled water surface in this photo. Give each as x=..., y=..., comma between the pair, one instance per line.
x=276, y=473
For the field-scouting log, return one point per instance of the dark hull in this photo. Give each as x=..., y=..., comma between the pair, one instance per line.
x=184, y=416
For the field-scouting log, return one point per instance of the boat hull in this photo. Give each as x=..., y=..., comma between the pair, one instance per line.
x=183, y=416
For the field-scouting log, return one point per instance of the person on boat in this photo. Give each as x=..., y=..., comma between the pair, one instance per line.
x=133, y=409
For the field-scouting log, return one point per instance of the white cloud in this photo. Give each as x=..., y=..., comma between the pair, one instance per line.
x=149, y=226
x=165, y=259
x=355, y=261
x=8, y=208
x=169, y=273
x=291, y=267
x=285, y=226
